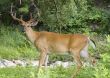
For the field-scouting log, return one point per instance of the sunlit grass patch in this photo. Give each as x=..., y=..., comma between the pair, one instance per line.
x=57, y=72
x=32, y=72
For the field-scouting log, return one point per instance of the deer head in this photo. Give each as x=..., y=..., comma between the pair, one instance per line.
x=26, y=24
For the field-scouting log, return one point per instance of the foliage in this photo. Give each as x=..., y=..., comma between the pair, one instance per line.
x=64, y=16
x=73, y=16
x=102, y=70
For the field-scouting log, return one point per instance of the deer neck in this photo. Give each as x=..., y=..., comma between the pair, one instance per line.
x=31, y=34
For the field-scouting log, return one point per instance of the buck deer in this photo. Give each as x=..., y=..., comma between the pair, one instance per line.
x=50, y=42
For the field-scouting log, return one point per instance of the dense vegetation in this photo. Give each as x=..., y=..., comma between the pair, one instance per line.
x=90, y=17
x=62, y=16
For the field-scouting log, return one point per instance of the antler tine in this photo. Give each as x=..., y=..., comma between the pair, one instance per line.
x=31, y=18
x=11, y=8
x=32, y=21
x=21, y=17
x=15, y=18
x=30, y=15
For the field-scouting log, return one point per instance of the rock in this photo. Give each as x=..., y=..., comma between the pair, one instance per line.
x=20, y=63
x=34, y=63
x=1, y=64
x=7, y=63
x=13, y=63
x=58, y=63
x=66, y=64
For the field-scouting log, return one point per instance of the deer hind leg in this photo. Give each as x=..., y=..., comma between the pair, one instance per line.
x=84, y=53
x=77, y=60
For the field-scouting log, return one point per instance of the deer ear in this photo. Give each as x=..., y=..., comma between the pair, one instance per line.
x=34, y=23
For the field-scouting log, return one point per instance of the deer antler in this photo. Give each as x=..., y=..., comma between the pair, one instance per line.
x=14, y=15
x=31, y=21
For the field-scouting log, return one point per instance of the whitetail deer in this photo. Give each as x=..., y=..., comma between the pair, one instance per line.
x=50, y=42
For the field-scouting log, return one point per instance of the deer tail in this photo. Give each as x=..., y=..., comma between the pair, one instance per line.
x=92, y=43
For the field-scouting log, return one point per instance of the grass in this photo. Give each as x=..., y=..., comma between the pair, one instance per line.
x=99, y=71
x=31, y=72
x=14, y=45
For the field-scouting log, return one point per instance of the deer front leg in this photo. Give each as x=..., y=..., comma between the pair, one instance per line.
x=42, y=58
x=41, y=62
